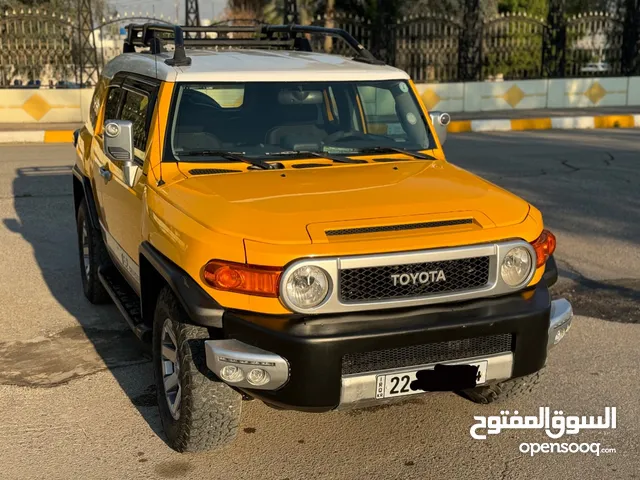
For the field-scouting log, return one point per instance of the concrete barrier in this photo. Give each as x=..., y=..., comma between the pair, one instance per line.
x=45, y=106
x=546, y=123
x=531, y=94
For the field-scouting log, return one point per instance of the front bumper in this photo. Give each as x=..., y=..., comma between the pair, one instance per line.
x=560, y=321
x=313, y=347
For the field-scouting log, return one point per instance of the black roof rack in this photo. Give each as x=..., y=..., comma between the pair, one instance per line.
x=291, y=37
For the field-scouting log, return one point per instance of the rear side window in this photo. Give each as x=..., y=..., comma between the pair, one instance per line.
x=227, y=96
x=380, y=110
x=135, y=109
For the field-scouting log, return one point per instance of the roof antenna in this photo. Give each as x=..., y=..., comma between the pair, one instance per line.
x=156, y=48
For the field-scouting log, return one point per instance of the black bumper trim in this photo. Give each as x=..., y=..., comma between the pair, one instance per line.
x=314, y=346
x=550, y=276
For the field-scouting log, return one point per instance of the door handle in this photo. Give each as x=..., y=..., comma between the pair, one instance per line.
x=105, y=173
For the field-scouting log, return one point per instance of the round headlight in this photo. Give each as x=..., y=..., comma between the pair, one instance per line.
x=516, y=266
x=307, y=287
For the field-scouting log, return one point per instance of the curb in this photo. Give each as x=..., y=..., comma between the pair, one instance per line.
x=546, y=123
x=492, y=125
x=37, y=136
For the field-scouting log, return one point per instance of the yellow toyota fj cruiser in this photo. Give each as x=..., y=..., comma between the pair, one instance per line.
x=283, y=225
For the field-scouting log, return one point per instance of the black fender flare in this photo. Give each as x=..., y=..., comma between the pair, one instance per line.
x=200, y=307
x=87, y=191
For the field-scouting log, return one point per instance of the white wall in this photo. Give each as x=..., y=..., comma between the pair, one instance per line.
x=72, y=106
x=530, y=94
x=44, y=105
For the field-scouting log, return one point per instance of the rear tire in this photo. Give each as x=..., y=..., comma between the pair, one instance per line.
x=502, y=391
x=207, y=414
x=93, y=254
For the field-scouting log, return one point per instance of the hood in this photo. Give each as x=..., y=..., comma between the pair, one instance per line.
x=296, y=206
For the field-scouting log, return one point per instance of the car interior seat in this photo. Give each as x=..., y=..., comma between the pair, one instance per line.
x=298, y=127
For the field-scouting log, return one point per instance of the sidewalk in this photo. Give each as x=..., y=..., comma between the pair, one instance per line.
x=37, y=132
x=494, y=121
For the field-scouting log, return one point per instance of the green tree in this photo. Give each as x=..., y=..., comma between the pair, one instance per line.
x=536, y=8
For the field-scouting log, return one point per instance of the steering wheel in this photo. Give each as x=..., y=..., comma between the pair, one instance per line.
x=342, y=136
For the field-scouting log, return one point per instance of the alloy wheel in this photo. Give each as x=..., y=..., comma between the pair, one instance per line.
x=86, y=260
x=171, y=369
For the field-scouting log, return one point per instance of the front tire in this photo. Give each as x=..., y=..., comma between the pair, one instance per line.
x=198, y=411
x=502, y=391
x=93, y=254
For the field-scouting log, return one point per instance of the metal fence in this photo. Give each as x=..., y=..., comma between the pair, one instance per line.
x=40, y=49
x=431, y=48
x=34, y=45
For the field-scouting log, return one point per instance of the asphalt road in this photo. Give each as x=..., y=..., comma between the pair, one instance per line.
x=76, y=389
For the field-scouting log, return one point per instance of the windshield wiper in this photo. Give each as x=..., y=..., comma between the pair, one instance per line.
x=328, y=156
x=422, y=156
x=231, y=156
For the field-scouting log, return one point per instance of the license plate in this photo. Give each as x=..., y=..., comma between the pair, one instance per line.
x=405, y=383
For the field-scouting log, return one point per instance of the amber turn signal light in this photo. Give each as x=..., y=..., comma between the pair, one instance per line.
x=241, y=278
x=544, y=246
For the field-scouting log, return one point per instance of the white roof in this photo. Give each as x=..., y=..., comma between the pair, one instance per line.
x=252, y=66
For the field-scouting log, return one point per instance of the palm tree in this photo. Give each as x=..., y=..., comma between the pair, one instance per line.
x=329, y=12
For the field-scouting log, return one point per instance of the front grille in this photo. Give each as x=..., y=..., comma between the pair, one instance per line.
x=397, y=228
x=397, y=281
x=425, y=354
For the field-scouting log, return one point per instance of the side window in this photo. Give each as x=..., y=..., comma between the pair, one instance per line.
x=113, y=103
x=135, y=109
x=96, y=101
x=380, y=110
x=331, y=105
x=346, y=108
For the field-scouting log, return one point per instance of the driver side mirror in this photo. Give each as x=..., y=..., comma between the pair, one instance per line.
x=440, y=122
x=118, y=147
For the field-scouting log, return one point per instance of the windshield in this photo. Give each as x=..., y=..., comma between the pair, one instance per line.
x=279, y=118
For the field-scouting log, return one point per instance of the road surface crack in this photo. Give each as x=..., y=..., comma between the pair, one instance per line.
x=569, y=166
x=608, y=161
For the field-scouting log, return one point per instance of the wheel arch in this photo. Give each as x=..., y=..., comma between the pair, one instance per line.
x=82, y=190
x=156, y=272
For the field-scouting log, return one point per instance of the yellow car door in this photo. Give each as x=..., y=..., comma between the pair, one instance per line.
x=121, y=204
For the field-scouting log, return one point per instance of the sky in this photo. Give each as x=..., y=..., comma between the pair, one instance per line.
x=208, y=8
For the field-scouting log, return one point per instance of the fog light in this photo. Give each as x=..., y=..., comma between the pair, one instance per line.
x=258, y=376
x=231, y=373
